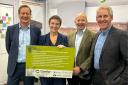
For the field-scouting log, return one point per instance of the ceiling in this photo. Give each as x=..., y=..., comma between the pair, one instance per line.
x=91, y=2
x=109, y=2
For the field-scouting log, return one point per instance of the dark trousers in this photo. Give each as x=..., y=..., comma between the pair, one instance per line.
x=52, y=81
x=19, y=75
x=75, y=80
x=98, y=78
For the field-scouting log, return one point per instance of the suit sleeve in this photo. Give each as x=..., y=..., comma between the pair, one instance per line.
x=124, y=53
x=8, y=40
x=37, y=32
x=85, y=66
x=42, y=40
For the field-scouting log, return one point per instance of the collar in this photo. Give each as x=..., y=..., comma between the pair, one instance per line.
x=106, y=31
x=81, y=31
x=27, y=27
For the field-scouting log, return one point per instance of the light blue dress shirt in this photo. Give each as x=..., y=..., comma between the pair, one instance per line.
x=24, y=39
x=98, y=47
x=79, y=36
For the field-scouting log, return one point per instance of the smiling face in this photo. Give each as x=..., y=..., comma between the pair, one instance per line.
x=80, y=21
x=24, y=16
x=54, y=25
x=104, y=18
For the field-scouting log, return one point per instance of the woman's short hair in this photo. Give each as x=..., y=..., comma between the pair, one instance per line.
x=55, y=17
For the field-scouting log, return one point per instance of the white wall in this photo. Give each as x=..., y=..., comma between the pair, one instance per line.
x=3, y=53
x=11, y=2
x=3, y=61
x=120, y=13
x=91, y=13
x=67, y=12
x=15, y=3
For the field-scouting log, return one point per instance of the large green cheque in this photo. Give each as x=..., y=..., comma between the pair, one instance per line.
x=49, y=61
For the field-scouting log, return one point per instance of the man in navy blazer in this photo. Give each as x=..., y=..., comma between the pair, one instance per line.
x=17, y=37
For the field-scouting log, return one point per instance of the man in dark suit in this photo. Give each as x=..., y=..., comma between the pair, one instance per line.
x=109, y=51
x=17, y=37
x=81, y=39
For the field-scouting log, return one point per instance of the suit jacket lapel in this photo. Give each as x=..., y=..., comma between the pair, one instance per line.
x=31, y=35
x=106, y=41
x=58, y=39
x=85, y=36
x=73, y=38
x=16, y=34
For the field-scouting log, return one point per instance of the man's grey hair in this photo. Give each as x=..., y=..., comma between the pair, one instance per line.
x=107, y=8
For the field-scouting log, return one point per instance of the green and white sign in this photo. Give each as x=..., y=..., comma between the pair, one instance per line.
x=49, y=61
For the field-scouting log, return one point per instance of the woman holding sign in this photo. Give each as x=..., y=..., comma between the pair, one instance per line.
x=53, y=38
